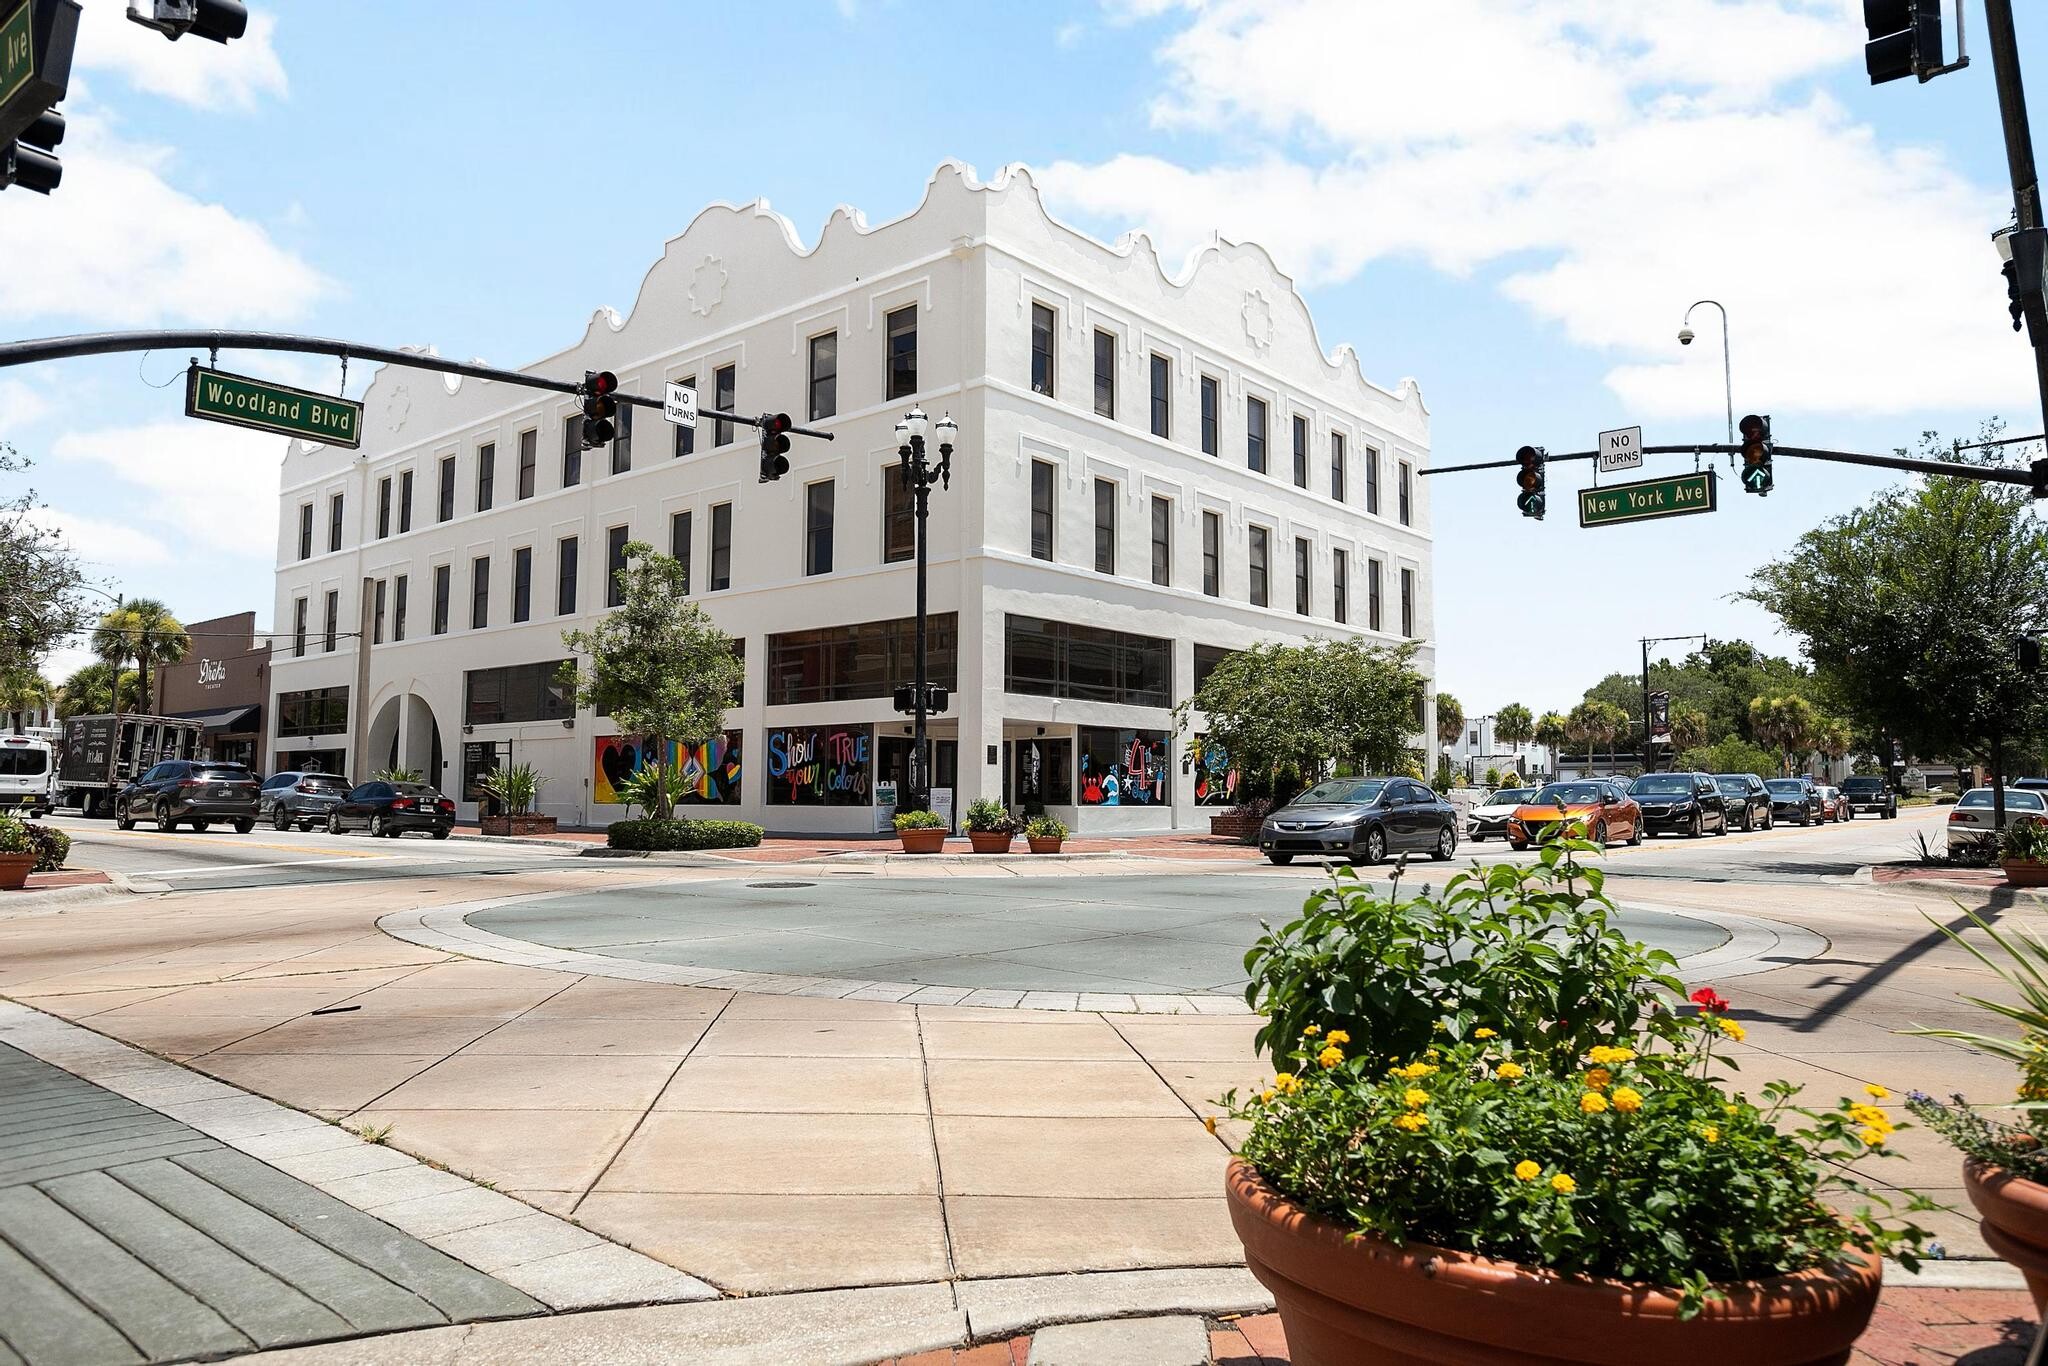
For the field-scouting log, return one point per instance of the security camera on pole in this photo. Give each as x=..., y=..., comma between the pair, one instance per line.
x=919, y=474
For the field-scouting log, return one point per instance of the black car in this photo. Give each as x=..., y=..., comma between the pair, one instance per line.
x=1680, y=803
x=192, y=792
x=1363, y=820
x=1868, y=792
x=1796, y=799
x=392, y=809
x=1747, y=799
x=300, y=797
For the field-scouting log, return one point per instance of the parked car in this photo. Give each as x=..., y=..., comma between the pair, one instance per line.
x=195, y=792
x=1868, y=792
x=300, y=798
x=1834, y=806
x=1970, y=822
x=1363, y=820
x=1748, y=800
x=1681, y=803
x=391, y=809
x=1490, y=817
x=1608, y=812
x=1794, y=799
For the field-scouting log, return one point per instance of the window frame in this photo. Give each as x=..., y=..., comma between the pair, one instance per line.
x=622, y=439
x=1212, y=416
x=899, y=376
x=486, y=475
x=1304, y=592
x=685, y=441
x=1255, y=433
x=822, y=389
x=821, y=498
x=1407, y=494
x=529, y=462
x=1407, y=602
x=899, y=514
x=1375, y=573
x=1048, y=515
x=725, y=389
x=1104, y=344
x=1338, y=481
x=336, y=511
x=681, y=530
x=1162, y=540
x=572, y=450
x=1105, y=494
x=719, y=578
x=384, y=507
x=615, y=539
x=444, y=594
x=568, y=550
x=399, y=584
x=1212, y=554
x=1046, y=357
x=1258, y=553
x=331, y=618
x=1299, y=435
x=522, y=583
x=444, y=492
x=300, y=609
x=306, y=531
x=479, y=592
x=1372, y=480
x=1340, y=585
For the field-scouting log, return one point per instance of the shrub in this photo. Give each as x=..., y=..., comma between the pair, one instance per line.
x=919, y=820
x=1044, y=828
x=395, y=775
x=2019, y=957
x=2025, y=840
x=986, y=815
x=52, y=846
x=517, y=786
x=14, y=836
x=1492, y=778
x=659, y=835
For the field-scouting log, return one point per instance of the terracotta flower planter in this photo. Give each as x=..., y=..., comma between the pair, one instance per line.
x=2015, y=1223
x=14, y=871
x=1043, y=846
x=1347, y=1300
x=2025, y=872
x=923, y=841
x=990, y=841
x=517, y=825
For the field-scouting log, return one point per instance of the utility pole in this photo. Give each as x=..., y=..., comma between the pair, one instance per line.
x=1648, y=761
x=2019, y=158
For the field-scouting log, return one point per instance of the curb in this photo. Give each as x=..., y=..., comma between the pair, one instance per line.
x=116, y=885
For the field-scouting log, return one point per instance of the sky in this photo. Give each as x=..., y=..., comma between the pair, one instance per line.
x=1512, y=201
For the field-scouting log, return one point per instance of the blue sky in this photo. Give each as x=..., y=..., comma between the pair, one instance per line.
x=1510, y=200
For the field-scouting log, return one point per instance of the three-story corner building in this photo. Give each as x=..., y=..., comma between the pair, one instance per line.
x=1151, y=472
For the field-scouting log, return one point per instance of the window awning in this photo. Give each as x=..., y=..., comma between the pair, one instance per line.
x=227, y=718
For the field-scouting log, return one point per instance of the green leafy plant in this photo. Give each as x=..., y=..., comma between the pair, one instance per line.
x=517, y=786
x=2024, y=841
x=919, y=820
x=52, y=846
x=987, y=816
x=395, y=775
x=1044, y=828
x=653, y=834
x=14, y=836
x=641, y=788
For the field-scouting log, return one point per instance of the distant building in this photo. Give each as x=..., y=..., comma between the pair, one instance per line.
x=1477, y=749
x=223, y=682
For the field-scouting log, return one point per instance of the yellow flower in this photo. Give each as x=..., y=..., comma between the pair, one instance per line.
x=1601, y=1054
x=1526, y=1170
x=1410, y=1121
x=1732, y=1109
x=1627, y=1099
x=1311, y=1031
x=1508, y=1071
x=1563, y=1184
x=1711, y=1134
x=1598, y=1078
x=1870, y=1115
x=1415, y=1099
x=1337, y=1036
x=1592, y=1102
x=1442, y=1028
x=1871, y=1137
x=1330, y=1057
x=1209, y=1123
x=1731, y=1029
x=1268, y=1094
x=1876, y=1092
x=1484, y=1034
x=1286, y=1083
x=1414, y=1071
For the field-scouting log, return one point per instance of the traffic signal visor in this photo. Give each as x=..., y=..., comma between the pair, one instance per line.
x=1756, y=453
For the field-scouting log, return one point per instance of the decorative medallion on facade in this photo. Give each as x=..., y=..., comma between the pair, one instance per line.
x=398, y=409
x=707, y=286
x=1258, y=320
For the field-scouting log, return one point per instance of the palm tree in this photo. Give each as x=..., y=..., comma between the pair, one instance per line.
x=1514, y=724
x=1833, y=738
x=22, y=691
x=1450, y=719
x=1593, y=722
x=90, y=692
x=1550, y=733
x=145, y=631
x=1787, y=724
x=1688, y=728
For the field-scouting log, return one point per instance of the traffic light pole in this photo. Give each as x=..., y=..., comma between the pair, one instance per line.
x=921, y=474
x=2001, y=38
x=1987, y=474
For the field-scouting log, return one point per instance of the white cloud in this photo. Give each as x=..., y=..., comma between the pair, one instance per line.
x=20, y=406
x=194, y=71
x=103, y=542
x=1604, y=163
x=214, y=487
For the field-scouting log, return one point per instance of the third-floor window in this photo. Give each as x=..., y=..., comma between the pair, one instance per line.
x=824, y=375
x=1162, y=396
x=486, y=475
x=1044, y=350
x=1105, y=374
x=902, y=355
x=1255, y=435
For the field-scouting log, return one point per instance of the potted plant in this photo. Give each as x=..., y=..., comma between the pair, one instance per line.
x=515, y=788
x=18, y=854
x=2023, y=852
x=922, y=832
x=990, y=827
x=1524, y=1148
x=1043, y=834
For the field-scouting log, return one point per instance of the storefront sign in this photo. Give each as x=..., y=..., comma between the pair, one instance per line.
x=212, y=673
x=821, y=766
x=885, y=806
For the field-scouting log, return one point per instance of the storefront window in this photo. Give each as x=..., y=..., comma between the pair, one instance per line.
x=1215, y=777
x=821, y=766
x=1124, y=767
x=849, y=663
x=698, y=775
x=1042, y=771
x=313, y=712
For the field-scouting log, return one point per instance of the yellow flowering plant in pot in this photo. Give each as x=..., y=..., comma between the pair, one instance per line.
x=1541, y=1189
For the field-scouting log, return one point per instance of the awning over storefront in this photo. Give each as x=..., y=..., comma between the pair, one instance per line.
x=227, y=718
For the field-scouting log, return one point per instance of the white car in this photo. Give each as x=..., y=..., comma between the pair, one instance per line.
x=1969, y=821
x=28, y=775
x=1490, y=817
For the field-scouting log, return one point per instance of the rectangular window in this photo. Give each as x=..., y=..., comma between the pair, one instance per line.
x=1044, y=350
x=1300, y=452
x=1105, y=527
x=721, y=546
x=479, y=592
x=334, y=522
x=1123, y=767
x=522, y=583
x=1260, y=539
x=821, y=765
x=377, y=596
x=1212, y=399
x=305, y=531
x=529, y=456
x=443, y=574
x=299, y=627
x=899, y=515
x=725, y=392
x=398, y=608
x=1105, y=375
x=565, y=577
x=1041, y=509
x=1407, y=481
x=622, y=439
x=902, y=327
x=383, y=507
x=1162, y=395
x=679, y=544
x=1337, y=466
x=1340, y=585
x=818, y=501
x=405, y=502
x=519, y=692
x=1255, y=435
x=1408, y=603
x=824, y=375
x=444, y=493
x=614, y=565
x=1372, y=481
x=1207, y=658
x=1086, y=663
x=686, y=437
x=486, y=475
x=1212, y=554
x=866, y=660
x=572, y=450
x=333, y=622
x=316, y=711
x=1372, y=594
x=1162, y=540
x=1302, y=597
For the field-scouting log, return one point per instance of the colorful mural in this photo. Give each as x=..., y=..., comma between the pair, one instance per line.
x=1123, y=768
x=1215, y=776
x=706, y=774
x=821, y=766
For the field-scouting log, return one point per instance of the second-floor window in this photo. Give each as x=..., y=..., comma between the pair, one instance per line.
x=443, y=574
x=1162, y=395
x=1105, y=374
x=1212, y=554
x=1105, y=527
x=1300, y=452
x=1302, y=598
x=721, y=546
x=1340, y=585
x=824, y=375
x=724, y=393
x=902, y=357
x=1212, y=398
x=614, y=565
x=1255, y=435
x=1162, y=540
x=1044, y=350
x=480, y=592
x=486, y=475
x=305, y=531
x=444, y=492
x=1337, y=466
x=529, y=456
x=899, y=515
x=1041, y=510
x=565, y=577
x=818, y=505
x=334, y=522
x=1259, y=544
x=522, y=583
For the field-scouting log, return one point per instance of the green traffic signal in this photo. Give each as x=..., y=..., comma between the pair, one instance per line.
x=1756, y=454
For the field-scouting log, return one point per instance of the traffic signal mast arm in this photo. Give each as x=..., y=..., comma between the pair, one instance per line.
x=1982, y=473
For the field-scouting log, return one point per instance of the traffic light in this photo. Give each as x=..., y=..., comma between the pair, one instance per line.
x=1529, y=479
x=598, y=407
x=218, y=20
x=1904, y=39
x=774, y=446
x=1756, y=454
x=30, y=161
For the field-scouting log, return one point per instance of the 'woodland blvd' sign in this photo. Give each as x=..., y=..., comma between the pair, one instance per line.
x=244, y=402
x=1677, y=496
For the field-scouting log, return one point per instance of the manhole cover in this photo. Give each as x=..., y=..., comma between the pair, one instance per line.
x=782, y=884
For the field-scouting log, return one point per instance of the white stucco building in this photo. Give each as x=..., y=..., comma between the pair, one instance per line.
x=1153, y=468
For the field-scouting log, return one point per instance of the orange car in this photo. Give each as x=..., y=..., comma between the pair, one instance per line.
x=1605, y=808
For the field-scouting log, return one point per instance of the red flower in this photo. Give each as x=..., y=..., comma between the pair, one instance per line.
x=1706, y=999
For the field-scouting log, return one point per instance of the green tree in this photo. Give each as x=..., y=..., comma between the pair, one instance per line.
x=1450, y=719
x=1549, y=732
x=1786, y=726
x=658, y=664
x=143, y=631
x=1688, y=727
x=1515, y=725
x=1594, y=723
x=1492, y=779
x=90, y=692
x=1285, y=712
x=40, y=601
x=1730, y=755
x=23, y=690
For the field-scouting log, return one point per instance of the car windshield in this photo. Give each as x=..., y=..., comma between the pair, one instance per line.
x=1734, y=787
x=1662, y=785
x=1568, y=794
x=1342, y=791
x=1861, y=784
x=1510, y=796
x=414, y=790
x=2015, y=800
x=16, y=763
x=1786, y=786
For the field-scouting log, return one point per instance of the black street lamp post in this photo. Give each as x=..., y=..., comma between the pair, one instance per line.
x=918, y=474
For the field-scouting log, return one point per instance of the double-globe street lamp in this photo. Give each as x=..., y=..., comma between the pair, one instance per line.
x=918, y=476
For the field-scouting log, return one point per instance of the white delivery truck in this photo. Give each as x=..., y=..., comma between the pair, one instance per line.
x=28, y=775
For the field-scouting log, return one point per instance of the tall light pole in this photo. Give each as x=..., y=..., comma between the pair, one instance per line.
x=918, y=475
x=1648, y=765
x=1685, y=335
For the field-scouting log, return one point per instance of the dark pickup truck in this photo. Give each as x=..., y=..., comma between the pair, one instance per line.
x=1870, y=794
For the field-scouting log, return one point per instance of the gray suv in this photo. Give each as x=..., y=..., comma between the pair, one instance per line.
x=300, y=798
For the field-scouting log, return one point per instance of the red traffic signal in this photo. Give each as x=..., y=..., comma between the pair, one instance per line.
x=600, y=381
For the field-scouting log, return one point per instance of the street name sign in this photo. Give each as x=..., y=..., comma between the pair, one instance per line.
x=1620, y=449
x=36, y=39
x=1677, y=496
x=241, y=401
x=679, y=405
